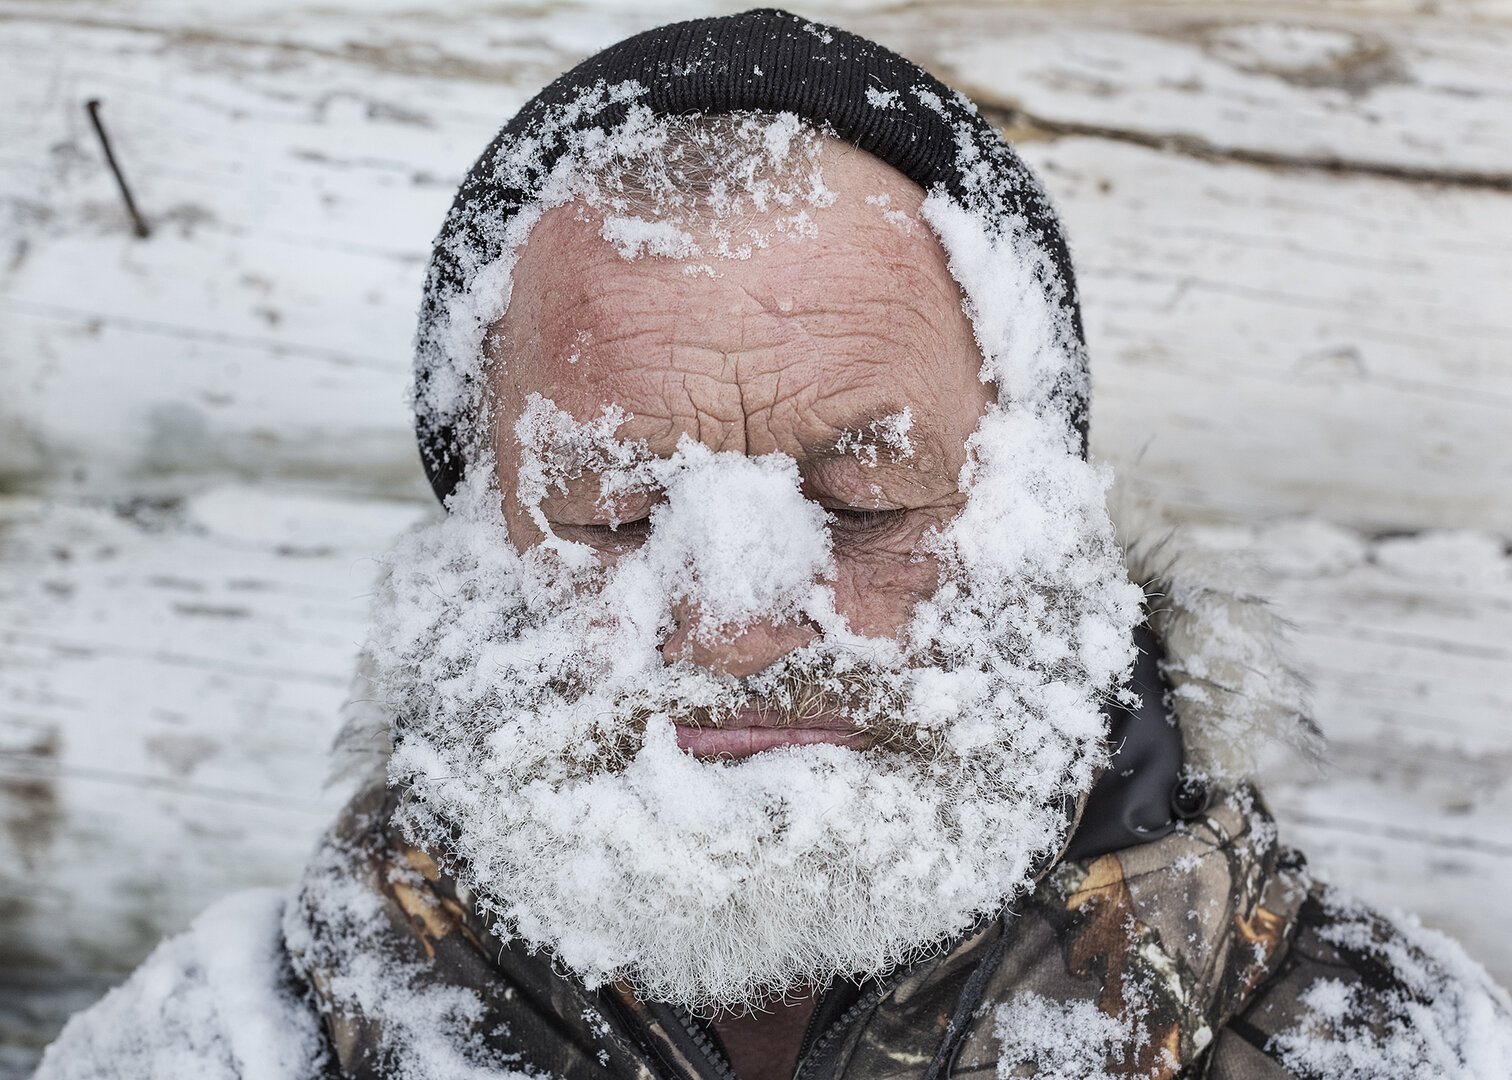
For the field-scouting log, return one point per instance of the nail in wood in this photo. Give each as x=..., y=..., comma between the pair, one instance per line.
x=138, y=225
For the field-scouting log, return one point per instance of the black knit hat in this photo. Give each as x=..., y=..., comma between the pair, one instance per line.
x=766, y=60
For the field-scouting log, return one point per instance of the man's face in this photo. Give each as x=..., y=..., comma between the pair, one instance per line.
x=797, y=686
x=813, y=347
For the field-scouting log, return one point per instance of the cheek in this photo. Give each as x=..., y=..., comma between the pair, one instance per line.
x=523, y=532
x=876, y=592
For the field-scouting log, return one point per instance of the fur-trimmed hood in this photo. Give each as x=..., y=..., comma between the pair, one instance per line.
x=1235, y=688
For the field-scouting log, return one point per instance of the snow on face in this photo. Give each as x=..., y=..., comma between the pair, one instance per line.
x=778, y=497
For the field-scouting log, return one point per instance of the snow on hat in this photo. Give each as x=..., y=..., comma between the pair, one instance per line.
x=762, y=60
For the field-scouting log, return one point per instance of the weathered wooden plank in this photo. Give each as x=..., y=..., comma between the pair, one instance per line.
x=265, y=327
x=121, y=402
x=1268, y=343
x=170, y=679
x=1414, y=96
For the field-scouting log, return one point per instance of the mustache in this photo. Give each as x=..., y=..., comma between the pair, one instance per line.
x=796, y=692
x=792, y=695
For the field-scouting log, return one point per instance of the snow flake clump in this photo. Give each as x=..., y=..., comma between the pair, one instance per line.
x=215, y=1002
x=1059, y=1040
x=632, y=236
x=888, y=435
x=342, y=941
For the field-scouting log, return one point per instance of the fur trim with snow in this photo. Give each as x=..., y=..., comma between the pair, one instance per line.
x=1235, y=688
x=362, y=747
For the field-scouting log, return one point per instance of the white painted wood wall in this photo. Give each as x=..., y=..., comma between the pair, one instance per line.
x=1294, y=231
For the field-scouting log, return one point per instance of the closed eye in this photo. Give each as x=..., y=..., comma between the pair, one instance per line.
x=856, y=522
x=609, y=536
x=641, y=527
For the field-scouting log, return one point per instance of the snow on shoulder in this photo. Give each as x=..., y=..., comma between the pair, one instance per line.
x=1437, y=1017
x=215, y=1002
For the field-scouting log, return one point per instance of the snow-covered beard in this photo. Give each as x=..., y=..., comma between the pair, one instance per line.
x=534, y=720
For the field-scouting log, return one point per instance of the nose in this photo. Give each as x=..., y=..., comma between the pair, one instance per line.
x=735, y=652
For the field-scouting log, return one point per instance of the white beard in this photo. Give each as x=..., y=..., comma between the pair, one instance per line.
x=535, y=738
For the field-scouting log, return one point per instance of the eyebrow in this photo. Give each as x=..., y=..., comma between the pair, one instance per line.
x=867, y=430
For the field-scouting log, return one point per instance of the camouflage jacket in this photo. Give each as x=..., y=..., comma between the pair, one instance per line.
x=1207, y=953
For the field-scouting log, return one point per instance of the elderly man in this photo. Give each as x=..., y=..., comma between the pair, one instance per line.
x=773, y=699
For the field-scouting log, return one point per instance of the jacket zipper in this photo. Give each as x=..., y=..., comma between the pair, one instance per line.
x=719, y=1066
x=808, y=1060
x=809, y=1056
x=809, y=1033
x=637, y=1034
x=705, y=1045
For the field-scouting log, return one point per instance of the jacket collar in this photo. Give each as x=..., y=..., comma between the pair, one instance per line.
x=1165, y=941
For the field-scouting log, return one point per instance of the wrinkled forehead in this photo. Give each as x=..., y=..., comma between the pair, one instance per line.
x=773, y=327
x=1007, y=250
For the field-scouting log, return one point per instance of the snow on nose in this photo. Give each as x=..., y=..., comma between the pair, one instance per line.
x=736, y=540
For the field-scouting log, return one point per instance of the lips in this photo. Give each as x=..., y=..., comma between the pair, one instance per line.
x=754, y=729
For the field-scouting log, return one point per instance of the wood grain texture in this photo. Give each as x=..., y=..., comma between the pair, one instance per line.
x=172, y=676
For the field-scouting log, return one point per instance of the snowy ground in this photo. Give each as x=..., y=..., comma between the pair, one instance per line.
x=1292, y=230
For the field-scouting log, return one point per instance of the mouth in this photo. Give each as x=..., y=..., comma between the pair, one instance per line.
x=755, y=728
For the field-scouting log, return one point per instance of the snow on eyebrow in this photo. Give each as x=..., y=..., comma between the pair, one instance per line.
x=556, y=448
x=889, y=433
